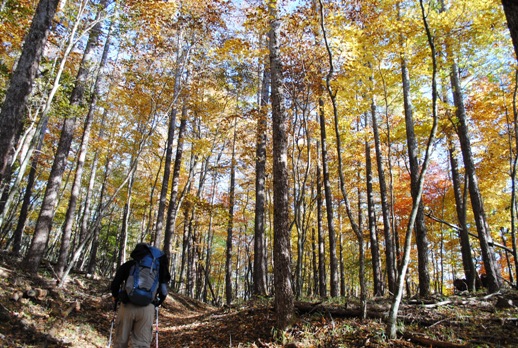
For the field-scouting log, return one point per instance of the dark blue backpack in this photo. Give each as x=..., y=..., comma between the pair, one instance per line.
x=142, y=283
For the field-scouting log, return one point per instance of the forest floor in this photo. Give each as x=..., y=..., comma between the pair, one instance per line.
x=36, y=313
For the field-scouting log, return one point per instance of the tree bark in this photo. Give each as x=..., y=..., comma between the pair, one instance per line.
x=123, y=237
x=511, y=15
x=260, y=253
x=321, y=239
x=76, y=186
x=391, y=329
x=375, y=251
x=282, y=243
x=354, y=225
x=329, y=203
x=390, y=258
x=24, y=210
x=169, y=145
x=12, y=116
x=210, y=233
x=230, y=226
x=173, y=200
x=490, y=264
x=470, y=272
x=43, y=227
x=420, y=227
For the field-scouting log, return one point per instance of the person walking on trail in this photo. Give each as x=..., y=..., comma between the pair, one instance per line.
x=140, y=285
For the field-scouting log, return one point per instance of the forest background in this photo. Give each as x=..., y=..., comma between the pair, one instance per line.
x=152, y=121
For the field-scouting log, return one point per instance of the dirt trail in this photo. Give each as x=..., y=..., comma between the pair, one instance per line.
x=187, y=323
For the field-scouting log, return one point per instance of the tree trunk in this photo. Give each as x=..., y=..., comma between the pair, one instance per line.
x=173, y=200
x=210, y=231
x=125, y=220
x=391, y=329
x=282, y=245
x=300, y=172
x=375, y=251
x=43, y=227
x=470, y=272
x=169, y=147
x=420, y=227
x=260, y=253
x=12, y=116
x=191, y=252
x=85, y=218
x=332, y=96
x=513, y=177
x=329, y=203
x=490, y=264
x=24, y=210
x=385, y=208
x=76, y=186
x=230, y=226
x=321, y=240
x=511, y=15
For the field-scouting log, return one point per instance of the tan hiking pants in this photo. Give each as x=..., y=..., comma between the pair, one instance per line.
x=134, y=326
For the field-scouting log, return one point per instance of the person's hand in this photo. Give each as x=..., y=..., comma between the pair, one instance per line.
x=159, y=300
x=115, y=302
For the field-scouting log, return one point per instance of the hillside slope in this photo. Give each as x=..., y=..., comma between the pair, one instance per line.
x=36, y=313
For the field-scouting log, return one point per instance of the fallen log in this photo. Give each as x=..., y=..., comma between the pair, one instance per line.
x=428, y=342
x=76, y=306
x=309, y=308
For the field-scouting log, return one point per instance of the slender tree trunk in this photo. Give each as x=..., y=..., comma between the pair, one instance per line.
x=43, y=126
x=313, y=290
x=284, y=305
x=385, y=207
x=342, y=264
x=96, y=226
x=43, y=227
x=420, y=227
x=24, y=210
x=125, y=221
x=210, y=230
x=169, y=147
x=191, y=254
x=260, y=253
x=361, y=240
x=391, y=329
x=31, y=138
x=12, y=116
x=490, y=264
x=230, y=226
x=165, y=178
x=185, y=251
x=186, y=246
x=173, y=200
x=513, y=178
x=470, y=271
x=375, y=252
x=199, y=279
x=321, y=240
x=86, y=218
x=332, y=96
x=76, y=187
x=329, y=203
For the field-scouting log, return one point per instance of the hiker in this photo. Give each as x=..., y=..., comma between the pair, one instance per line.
x=140, y=285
